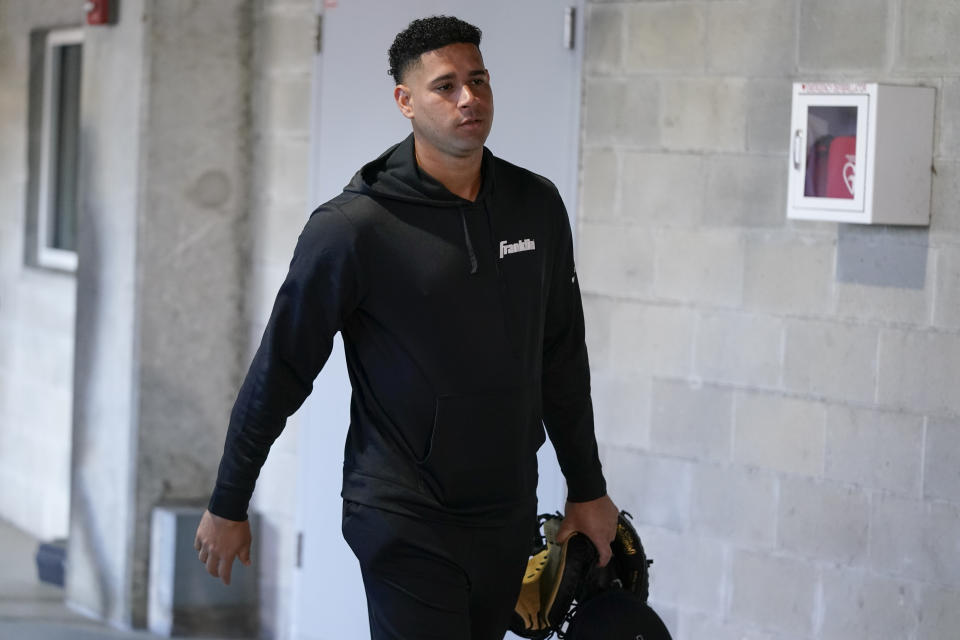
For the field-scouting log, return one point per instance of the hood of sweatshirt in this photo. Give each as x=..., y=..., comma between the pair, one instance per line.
x=395, y=175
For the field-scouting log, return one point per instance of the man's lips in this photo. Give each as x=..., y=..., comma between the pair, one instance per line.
x=470, y=122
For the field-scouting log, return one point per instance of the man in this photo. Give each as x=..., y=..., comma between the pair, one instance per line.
x=450, y=274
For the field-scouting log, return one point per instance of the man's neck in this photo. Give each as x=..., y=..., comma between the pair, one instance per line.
x=460, y=175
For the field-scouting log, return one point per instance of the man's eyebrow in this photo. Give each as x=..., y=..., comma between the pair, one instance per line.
x=451, y=75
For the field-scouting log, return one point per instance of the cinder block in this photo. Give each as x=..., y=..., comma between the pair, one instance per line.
x=47, y=300
x=830, y=359
x=285, y=42
x=773, y=593
x=941, y=473
x=824, y=521
x=700, y=265
x=306, y=7
x=687, y=571
x=944, y=212
x=946, y=312
x=13, y=128
x=875, y=449
x=615, y=259
x=860, y=606
x=662, y=189
x=929, y=35
x=598, y=312
x=735, y=504
x=786, y=274
x=949, y=128
x=697, y=626
x=887, y=304
x=703, y=114
x=752, y=37
x=915, y=540
x=939, y=613
x=780, y=433
x=768, y=118
x=14, y=51
x=665, y=37
x=601, y=174
x=844, y=35
x=636, y=482
x=618, y=112
x=604, y=39
x=882, y=256
x=656, y=340
x=745, y=191
x=739, y=348
x=691, y=421
x=44, y=356
x=621, y=409
x=919, y=371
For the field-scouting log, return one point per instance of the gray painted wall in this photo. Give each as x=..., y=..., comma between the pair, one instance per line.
x=36, y=307
x=776, y=400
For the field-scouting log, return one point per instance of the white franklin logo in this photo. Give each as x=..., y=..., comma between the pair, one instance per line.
x=516, y=247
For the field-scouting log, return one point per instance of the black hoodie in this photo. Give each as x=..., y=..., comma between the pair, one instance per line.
x=463, y=331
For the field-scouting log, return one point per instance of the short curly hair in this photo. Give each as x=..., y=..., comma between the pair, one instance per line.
x=427, y=34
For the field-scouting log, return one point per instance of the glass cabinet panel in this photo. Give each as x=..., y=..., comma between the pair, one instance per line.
x=829, y=147
x=831, y=152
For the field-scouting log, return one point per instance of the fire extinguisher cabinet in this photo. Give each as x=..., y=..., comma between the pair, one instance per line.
x=861, y=153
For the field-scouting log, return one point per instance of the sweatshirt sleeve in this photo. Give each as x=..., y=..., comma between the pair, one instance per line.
x=567, y=408
x=321, y=289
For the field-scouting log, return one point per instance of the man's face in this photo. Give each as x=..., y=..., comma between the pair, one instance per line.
x=447, y=97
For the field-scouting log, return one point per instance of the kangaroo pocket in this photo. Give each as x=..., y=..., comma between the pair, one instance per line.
x=480, y=453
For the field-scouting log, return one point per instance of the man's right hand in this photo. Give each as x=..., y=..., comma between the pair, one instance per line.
x=218, y=541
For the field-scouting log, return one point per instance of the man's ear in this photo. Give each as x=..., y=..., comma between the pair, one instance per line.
x=401, y=93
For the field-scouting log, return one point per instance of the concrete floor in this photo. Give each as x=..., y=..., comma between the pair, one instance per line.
x=32, y=610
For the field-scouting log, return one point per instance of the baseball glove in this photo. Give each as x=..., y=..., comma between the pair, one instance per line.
x=628, y=570
x=616, y=614
x=554, y=575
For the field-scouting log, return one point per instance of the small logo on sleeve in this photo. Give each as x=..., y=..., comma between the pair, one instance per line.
x=516, y=247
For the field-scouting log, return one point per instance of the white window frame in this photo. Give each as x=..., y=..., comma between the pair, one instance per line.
x=48, y=256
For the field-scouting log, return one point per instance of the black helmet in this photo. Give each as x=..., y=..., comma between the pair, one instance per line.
x=616, y=615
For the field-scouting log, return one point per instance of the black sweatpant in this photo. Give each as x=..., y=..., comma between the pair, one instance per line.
x=435, y=581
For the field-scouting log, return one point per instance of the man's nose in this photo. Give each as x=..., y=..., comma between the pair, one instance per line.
x=467, y=97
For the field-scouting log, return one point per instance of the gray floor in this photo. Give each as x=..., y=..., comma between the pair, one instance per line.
x=32, y=610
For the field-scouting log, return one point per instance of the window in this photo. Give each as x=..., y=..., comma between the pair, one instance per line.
x=58, y=154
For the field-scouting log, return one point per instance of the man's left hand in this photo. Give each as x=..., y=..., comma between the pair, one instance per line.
x=596, y=519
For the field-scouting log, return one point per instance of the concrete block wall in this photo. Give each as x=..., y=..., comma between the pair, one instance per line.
x=36, y=307
x=777, y=401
